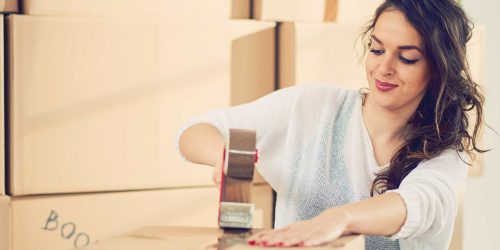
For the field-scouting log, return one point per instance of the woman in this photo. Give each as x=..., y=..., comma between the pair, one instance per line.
x=385, y=163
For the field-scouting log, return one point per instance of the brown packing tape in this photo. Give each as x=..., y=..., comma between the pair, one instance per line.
x=239, y=167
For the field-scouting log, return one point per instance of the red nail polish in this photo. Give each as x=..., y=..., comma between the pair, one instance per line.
x=252, y=242
x=280, y=244
x=264, y=243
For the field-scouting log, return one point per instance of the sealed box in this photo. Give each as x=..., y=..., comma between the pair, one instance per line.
x=77, y=220
x=220, y=9
x=95, y=103
x=196, y=238
x=342, y=11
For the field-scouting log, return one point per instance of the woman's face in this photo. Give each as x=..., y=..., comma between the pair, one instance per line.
x=396, y=69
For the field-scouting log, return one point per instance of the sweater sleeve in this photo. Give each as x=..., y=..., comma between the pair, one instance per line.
x=430, y=195
x=268, y=116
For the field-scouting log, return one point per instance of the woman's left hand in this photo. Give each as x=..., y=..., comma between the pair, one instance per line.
x=326, y=227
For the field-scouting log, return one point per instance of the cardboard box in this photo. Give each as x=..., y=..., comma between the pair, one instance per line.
x=312, y=53
x=342, y=11
x=96, y=102
x=184, y=238
x=73, y=221
x=2, y=111
x=9, y=6
x=5, y=222
x=476, y=58
x=220, y=9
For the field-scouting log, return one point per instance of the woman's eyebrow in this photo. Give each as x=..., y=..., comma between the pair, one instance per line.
x=402, y=47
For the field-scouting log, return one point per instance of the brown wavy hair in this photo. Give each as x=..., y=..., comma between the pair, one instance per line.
x=441, y=121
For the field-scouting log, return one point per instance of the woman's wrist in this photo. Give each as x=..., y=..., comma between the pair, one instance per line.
x=340, y=216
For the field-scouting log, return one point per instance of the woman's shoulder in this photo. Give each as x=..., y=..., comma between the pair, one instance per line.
x=450, y=162
x=319, y=92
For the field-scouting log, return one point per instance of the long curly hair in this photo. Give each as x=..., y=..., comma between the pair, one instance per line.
x=442, y=119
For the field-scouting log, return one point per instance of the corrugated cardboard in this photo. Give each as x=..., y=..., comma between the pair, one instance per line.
x=312, y=53
x=70, y=221
x=5, y=222
x=2, y=110
x=189, y=238
x=342, y=11
x=96, y=102
x=220, y=9
x=9, y=6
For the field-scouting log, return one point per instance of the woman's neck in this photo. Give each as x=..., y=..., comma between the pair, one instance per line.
x=386, y=129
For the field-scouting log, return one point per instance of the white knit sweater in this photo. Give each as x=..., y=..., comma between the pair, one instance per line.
x=316, y=153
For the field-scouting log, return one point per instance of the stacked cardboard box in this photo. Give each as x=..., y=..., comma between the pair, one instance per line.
x=96, y=103
x=7, y=6
x=340, y=11
x=192, y=9
x=312, y=53
x=97, y=91
x=75, y=221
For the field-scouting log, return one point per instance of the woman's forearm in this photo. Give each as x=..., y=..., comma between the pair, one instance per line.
x=202, y=143
x=380, y=215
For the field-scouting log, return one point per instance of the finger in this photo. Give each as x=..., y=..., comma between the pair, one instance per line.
x=261, y=238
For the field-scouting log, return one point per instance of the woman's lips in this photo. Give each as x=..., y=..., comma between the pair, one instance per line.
x=384, y=86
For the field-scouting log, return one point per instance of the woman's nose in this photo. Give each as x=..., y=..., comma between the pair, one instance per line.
x=386, y=66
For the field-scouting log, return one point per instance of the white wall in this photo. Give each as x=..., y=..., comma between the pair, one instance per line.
x=482, y=194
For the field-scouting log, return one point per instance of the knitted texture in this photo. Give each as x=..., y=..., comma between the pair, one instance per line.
x=315, y=152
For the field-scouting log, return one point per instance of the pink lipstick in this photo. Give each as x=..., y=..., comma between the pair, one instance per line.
x=384, y=86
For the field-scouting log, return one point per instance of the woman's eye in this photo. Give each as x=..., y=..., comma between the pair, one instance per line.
x=377, y=51
x=407, y=61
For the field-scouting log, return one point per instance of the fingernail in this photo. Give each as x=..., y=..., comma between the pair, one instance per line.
x=280, y=244
x=252, y=242
x=264, y=243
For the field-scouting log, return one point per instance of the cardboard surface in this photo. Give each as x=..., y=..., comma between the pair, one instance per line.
x=476, y=58
x=9, y=6
x=184, y=238
x=220, y=9
x=341, y=11
x=312, y=53
x=97, y=102
x=70, y=221
x=5, y=222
